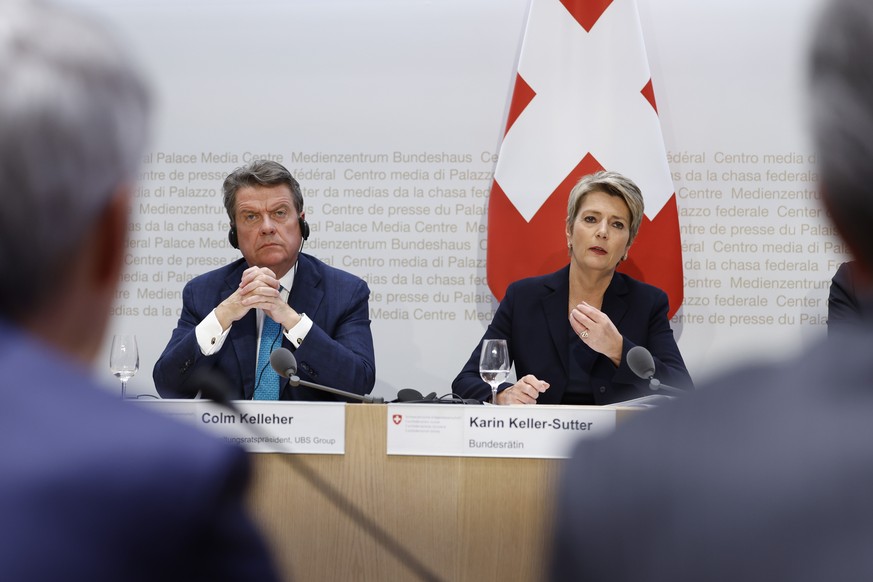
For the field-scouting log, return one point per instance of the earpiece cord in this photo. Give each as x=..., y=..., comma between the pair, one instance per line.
x=451, y=397
x=272, y=345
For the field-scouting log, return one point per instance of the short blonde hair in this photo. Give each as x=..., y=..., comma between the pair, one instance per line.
x=611, y=183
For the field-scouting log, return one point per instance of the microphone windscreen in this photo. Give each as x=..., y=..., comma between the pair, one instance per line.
x=212, y=385
x=283, y=362
x=408, y=395
x=641, y=363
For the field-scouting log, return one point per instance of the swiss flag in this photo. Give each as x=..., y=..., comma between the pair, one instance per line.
x=583, y=102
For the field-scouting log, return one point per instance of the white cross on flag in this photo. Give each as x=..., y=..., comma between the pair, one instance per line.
x=583, y=102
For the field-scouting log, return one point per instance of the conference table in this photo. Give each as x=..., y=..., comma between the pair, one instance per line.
x=462, y=518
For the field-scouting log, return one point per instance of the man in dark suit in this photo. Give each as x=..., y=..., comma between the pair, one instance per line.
x=766, y=474
x=235, y=316
x=91, y=488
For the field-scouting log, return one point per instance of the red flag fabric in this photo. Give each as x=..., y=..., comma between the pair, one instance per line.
x=583, y=101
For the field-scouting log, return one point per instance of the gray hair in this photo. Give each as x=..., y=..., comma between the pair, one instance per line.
x=259, y=173
x=841, y=110
x=73, y=123
x=611, y=183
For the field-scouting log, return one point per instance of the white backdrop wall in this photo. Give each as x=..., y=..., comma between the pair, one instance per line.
x=390, y=113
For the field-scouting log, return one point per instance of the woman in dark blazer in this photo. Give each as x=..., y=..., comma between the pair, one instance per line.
x=569, y=332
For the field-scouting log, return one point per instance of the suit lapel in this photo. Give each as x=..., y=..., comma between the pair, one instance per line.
x=556, y=289
x=244, y=334
x=305, y=297
x=614, y=302
x=306, y=293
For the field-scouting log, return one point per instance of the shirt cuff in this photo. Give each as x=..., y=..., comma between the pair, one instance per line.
x=298, y=333
x=210, y=338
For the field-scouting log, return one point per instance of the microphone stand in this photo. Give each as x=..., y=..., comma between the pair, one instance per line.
x=656, y=385
x=294, y=380
x=213, y=387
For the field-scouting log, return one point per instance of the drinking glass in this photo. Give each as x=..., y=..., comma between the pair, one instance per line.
x=124, y=359
x=494, y=364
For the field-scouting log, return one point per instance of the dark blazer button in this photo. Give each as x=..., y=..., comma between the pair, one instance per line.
x=309, y=370
x=602, y=389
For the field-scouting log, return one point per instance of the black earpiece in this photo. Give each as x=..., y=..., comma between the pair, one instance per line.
x=304, y=227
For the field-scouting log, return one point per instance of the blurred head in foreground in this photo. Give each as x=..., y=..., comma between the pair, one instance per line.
x=841, y=112
x=765, y=473
x=73, y=118
x=93, y=478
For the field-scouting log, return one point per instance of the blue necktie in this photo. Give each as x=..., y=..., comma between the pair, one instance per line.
x=267, y=380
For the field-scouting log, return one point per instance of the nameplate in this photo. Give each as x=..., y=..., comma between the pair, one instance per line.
x=535, y=431
x=265, y=427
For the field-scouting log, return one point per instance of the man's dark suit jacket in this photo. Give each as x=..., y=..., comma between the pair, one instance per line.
x=763, y=475
x=533, y=319
x=93, y=488
x=337, y=352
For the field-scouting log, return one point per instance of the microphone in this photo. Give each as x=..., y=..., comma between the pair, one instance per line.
x=641, y=363
x=214, y=386
x=285, y=364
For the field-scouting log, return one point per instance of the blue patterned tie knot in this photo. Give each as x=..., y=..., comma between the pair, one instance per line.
x=267, y=380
